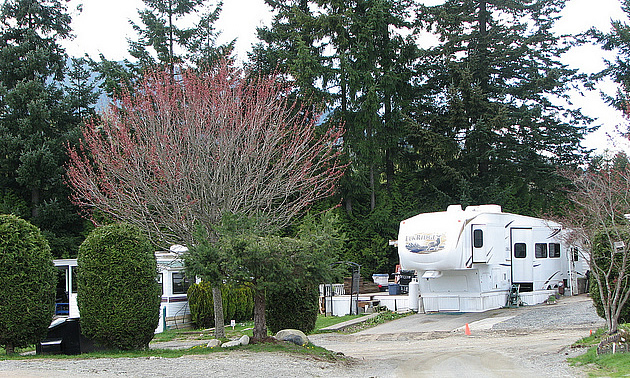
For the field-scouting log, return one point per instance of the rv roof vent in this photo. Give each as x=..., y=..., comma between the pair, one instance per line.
x=176, y=248
x=484, y=209
x=454, y=208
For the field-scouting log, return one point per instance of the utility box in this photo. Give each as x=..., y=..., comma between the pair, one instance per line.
x=381, y=279
x=394, y=289
x=64, y=337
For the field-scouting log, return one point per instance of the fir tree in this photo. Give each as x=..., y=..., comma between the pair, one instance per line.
x=490, y=86
x=35, y=121
x=618, y=40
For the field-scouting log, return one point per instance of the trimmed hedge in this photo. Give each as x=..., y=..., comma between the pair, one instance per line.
x=238, y=303
x=27, y=283
x=118, y=294
x=292, y=308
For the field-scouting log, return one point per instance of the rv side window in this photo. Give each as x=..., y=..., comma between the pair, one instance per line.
x=520, y=250
x=159, y=281
x=180, y=283
x=477, y=238
x=554, y=250
x=541, y=250
x=576, y=253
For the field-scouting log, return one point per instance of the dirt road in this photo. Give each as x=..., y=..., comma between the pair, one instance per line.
x=523, y=342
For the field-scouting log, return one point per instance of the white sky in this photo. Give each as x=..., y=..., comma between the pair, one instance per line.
x=103, y=27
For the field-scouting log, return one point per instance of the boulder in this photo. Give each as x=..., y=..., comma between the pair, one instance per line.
x=244, y=340
x=214, y=343
x=230, y=344
x=294, y=336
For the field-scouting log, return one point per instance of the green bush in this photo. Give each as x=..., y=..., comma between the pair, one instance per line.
x=244, y=300
x=601, y=255
x=118, y=295
x=201, y=305
x=238, y=303
x=292, y=307
x=27, y=283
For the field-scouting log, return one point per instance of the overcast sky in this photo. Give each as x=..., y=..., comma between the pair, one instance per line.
x=103, y=27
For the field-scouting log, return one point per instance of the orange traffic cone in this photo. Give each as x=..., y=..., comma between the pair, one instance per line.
x=467, y=330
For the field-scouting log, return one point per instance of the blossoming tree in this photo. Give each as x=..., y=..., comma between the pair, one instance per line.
x=183, y=149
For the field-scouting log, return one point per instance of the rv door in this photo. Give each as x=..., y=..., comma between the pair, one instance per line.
x=522, y=253
x=478, y=245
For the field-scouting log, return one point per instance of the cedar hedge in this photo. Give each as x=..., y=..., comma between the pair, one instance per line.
x=292, y=307
x=27, y=283
x=118, y=295
x=238, y=303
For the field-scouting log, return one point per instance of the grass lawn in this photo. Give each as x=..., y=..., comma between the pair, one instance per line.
x=327, y=321
x=198, y=350
x=231, y=333
x=606, y=365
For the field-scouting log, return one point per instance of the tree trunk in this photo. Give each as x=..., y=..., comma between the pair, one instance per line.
x=219, y=323
x=372, y=189
x=170, y=38
x=35, y=202
x=389, y=169
x=260, y=325
x=10, y=349
x=483, y=45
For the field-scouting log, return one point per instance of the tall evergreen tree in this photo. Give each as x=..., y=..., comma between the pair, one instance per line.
x=159, y=35
x=35, y=122
x=163, y=43
x=618, y=40
x=357, y=57
x=80, y=89
x=490, y=85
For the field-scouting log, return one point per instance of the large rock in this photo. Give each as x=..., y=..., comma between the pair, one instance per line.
x=244, y=340
x=294, y=336
x=230, y=344
x=213, y=343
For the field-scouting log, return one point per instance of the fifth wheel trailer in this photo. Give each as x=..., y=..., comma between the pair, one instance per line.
x=468, y=260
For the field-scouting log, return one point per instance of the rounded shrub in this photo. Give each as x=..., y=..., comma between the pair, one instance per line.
x=27, y=283
x=292, y=308
x=118, y=295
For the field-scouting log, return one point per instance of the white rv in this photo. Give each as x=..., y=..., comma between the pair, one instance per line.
x=173, y=310
x=468, y=260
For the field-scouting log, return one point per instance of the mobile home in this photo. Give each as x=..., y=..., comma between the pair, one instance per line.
x=174, y=310
x=471, y=260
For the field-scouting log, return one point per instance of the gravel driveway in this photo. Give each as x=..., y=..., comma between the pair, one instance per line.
x=522, y=342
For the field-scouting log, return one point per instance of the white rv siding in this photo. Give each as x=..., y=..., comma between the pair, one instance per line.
x=174, y=302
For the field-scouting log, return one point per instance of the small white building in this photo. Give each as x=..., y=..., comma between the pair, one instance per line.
x=174, y=310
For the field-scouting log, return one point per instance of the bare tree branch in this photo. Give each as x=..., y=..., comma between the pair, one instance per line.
x=598, y=221
x=186, y=149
